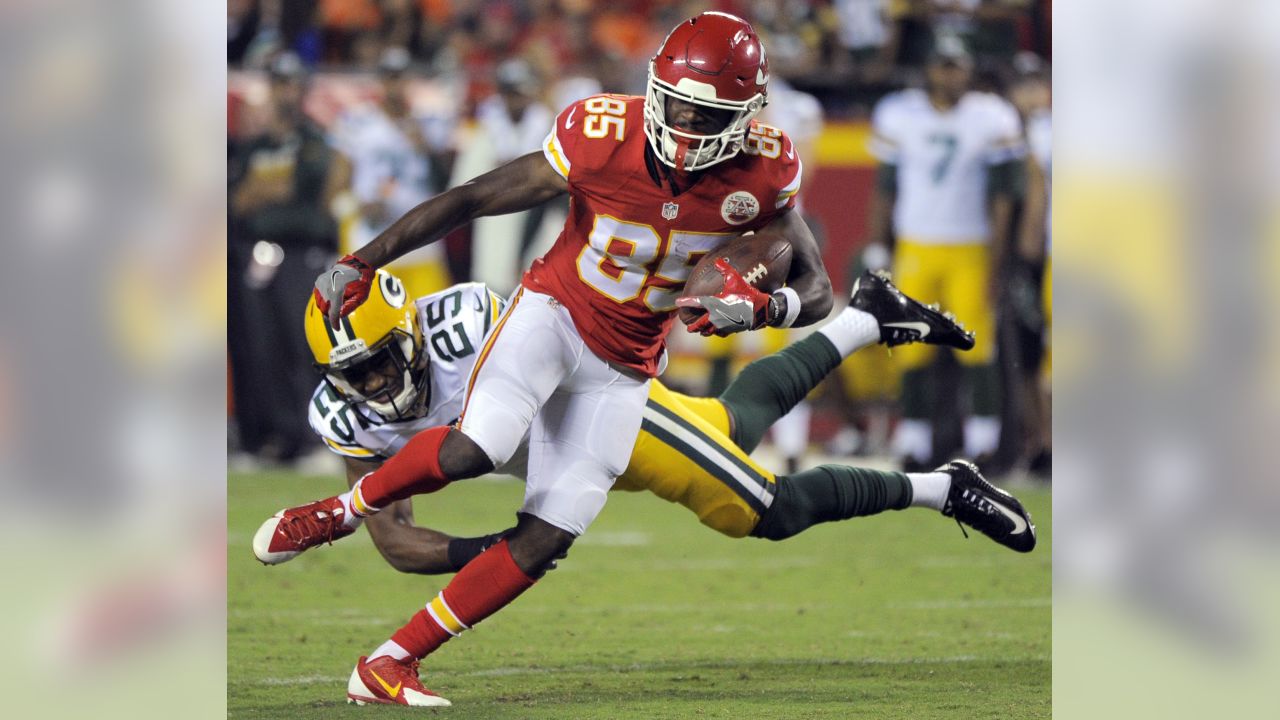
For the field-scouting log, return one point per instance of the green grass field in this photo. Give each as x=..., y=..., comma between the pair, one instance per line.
x=655, y=616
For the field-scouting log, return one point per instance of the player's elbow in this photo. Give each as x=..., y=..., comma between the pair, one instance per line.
x=817, y=300
x=826, y=297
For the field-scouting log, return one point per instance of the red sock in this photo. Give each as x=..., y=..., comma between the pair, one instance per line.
x=412, y=471
x=486, y=585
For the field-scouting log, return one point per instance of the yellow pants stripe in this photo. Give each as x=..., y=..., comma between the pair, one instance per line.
x=752, y=486
x=684, y=455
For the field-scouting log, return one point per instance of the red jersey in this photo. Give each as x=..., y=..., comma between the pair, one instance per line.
x=629, y=244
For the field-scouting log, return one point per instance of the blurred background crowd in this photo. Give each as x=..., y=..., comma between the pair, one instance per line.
x=344, y=114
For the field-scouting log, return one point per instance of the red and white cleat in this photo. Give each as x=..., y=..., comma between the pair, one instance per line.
x=287, y=533
x=388, y=681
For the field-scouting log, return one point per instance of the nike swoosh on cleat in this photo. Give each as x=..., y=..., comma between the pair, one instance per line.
x=1019, y=524
x=922, y=328
x=393, y=691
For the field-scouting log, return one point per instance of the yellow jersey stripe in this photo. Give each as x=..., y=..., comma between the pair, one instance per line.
x=784, y=197
x=552, y=150
x=352, y=450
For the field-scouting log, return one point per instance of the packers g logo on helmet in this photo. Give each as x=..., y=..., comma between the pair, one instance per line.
x=381, y=336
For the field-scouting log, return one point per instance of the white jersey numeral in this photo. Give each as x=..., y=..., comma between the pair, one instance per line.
x=618, y=255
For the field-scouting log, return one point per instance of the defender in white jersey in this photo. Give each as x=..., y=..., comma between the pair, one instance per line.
x=452, y=325
x=950, y=168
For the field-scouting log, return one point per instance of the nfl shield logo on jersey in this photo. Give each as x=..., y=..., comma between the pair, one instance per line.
x=669, y=211
x=739, y=207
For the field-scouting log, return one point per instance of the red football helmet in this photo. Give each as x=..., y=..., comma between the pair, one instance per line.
x=716, y=62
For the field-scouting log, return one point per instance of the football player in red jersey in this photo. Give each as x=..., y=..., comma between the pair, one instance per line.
x=655, y=183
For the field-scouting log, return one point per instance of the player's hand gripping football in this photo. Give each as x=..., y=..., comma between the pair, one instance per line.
x=342, y=288
x=737, y=307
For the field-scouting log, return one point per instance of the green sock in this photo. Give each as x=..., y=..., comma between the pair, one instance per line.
x=768, y=388
x=828, y=493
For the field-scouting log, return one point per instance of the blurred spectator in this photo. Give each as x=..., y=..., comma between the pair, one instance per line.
x=343, y=22
x=793, y=33
x=950, y=170
x=243, y=19
x=281, y=236
x=867, y=37
x=558, y=46
x=1031, y=290
x=258, y=30
x=987, y=27
x=386, y=142
x=508, y=124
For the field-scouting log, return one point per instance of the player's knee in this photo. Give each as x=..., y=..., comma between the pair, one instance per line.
x=787, y=516
x=536, y=545
x=777, y=526
x=730, y=520
x=461, y=457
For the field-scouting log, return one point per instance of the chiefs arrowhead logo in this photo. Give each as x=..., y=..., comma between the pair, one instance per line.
x=739, y=207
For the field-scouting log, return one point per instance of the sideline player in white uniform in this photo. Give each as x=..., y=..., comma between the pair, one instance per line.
x=950, y=168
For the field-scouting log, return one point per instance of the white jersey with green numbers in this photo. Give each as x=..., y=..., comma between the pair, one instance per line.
x=942, y=159
x=454, y=324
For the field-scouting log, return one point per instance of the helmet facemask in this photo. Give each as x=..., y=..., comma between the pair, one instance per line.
x=698, y=151
x=399, y=355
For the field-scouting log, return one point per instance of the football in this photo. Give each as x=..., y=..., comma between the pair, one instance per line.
x=763, y=258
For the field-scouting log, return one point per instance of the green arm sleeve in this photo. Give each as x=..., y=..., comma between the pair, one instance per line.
x=887, y=178
x=1007, y=178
